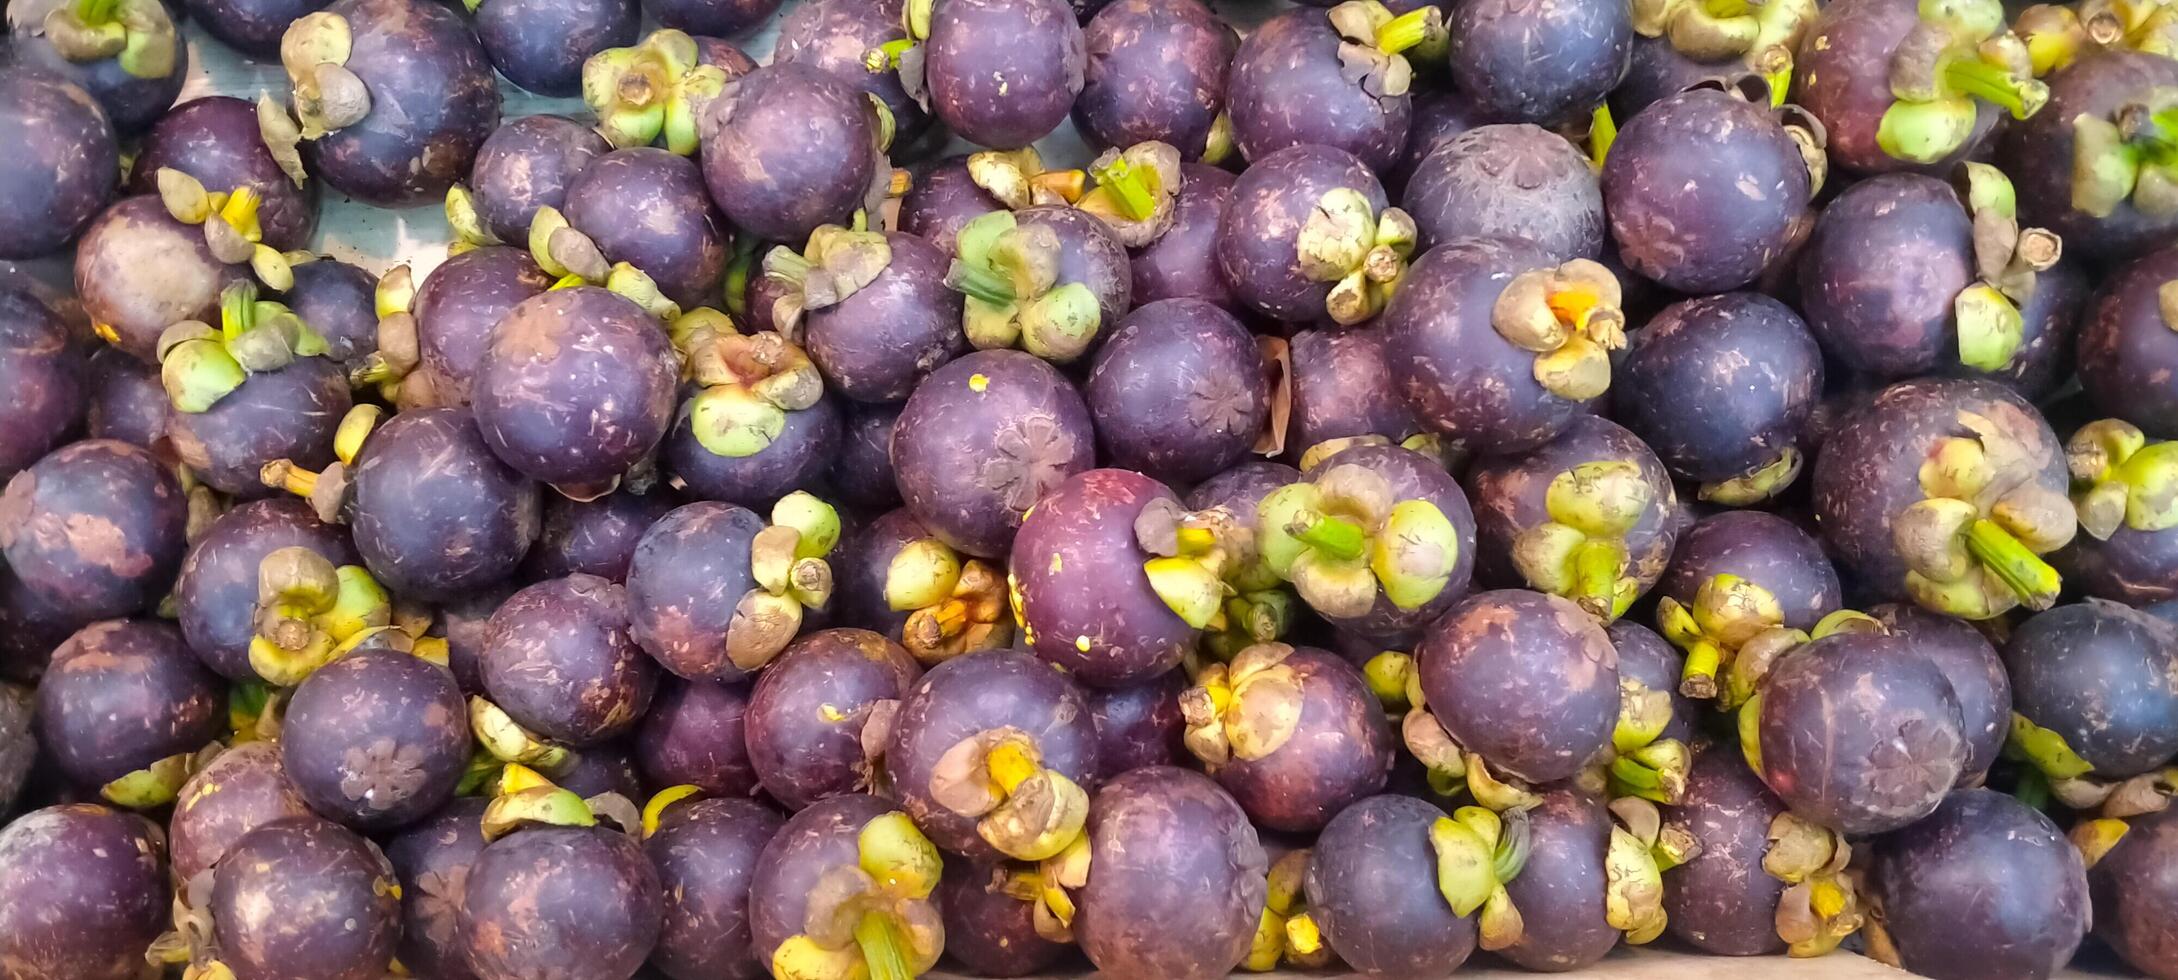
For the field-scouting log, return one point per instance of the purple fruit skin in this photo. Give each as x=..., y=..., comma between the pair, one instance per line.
x=304, y=899
x=1858, y=734
x=1722, y=902
x=1341, y=751
x=1842, y=76
x=1182, y=262
x=796, y=458
x=1085, y=603
x=216, y=591
x=577, y=386
x=43, y=372
x=1973, y=668
x=1560, y=893
x=861, y=473
x=1542, y=63
x=1367, y=891
x=706, y=852
x=648, y=208
x=427, y=477
x=126, y=400
x=1241, y=488
x=1156, y=71
x=2105, y=677
x=241, y=789
x=94, y=529
x=981, y=440
x=718, y=18
x=253, y=27
x=340, y=302
x=541, y=45
x=1652, y=662
x=561, y=903
x=1509, y=493
x=458, y=305
x=66, y=165
x=139, y=271
x=2126, y=351
x=216, y=140
x=85, y=893
x=1180, y=885
x=1341, y=386
x=812, y=842
x=123, y=694
x=860, y=565
x=2037, y=154
x=1459, y=376
x=693, y=735
x=835, y=35
x=1256, y=235
x=594, y=537
x=2134, y=567
x=1439, y=117
x=780, y=190
x=1763, y=548
x=1986, y=886
x=2135, y=897
x=988, y=931
x=1139, y=725
x=291, y=413
x=1088, y=254
x=1413, y=476
x=877, y=344
x=1657, y=71
x=431, y=859
x=800, y=753
x=1003, y=73
x=688, y=572
x=1178, y=391
x=434, y=100
x=1878, y=278
x=527, y=164
x=1287, y=88
x=1721, y=385
x=985, y=692
x=943, y=198
x=1508, y=181
x=1488, y=664
x=1673, y=191
x=131, y=103
x=560, y=661
x=376, y=740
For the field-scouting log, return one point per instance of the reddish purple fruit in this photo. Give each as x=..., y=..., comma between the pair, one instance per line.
x=431, y=859
x=305, y=899
x=781, y=190
x=66, y=165
x=984, y=438
x=1176, y=393
x=1003, y=73
x=706, y=852
x=1985, y=887
x=216, y=140
x=94, y=529
x=561, y=662
x=821, y=713
x=376, y=740
x=1721, y=387
x=692, y=735
x=239, y=790
x=83, y=891
x=1176, y=881
x=1156, y=71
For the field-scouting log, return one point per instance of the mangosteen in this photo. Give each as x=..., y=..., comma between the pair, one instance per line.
x=1182, y=262
x=1986, y=886
x=220, y=595
x=1050, y=279
x=541, y=45
x=692, y=735
x=1375, y=538
x=45, y=372
x=126, y=402
x=1973, y=668
x=898, y=579
x=990, y=928
x=560, y=662
x=431, y=859
x=660, y=90
x=994, y=754
x=451, y=317
x=1157, y=71
x=1496, y=346
x=525, y=165
x=1168, y=881
x=127, y=53
x=1337, y=79
x=1677, y=44
x=391, y=99
x=640, y=207
x=2101, y=182
x=706, y=852
x=837, y=36
x=1525, y=685
x=2135, y=900
x=66, y=167
x=1656, y=723
x=1308, y=232
x=1293, y=733
x=870, y=307
x=1947, y=492
x=821, y=714
x=1898, y=87
x=255, y=389
x=947, y=194
x=1677, y=178
x=718, y=18
x=843, y=889
x=1141, y=724
x=861, y=473
x=83, y=891
x=1856, y=732
x=140, y=270
x=2126, y=554
x=2094, y=696
x=339, y=303
x=94, y=529
x=998, y=73
x=1733, y=577
x=757, y=422
x=239, y=790
x=1751, y=879
x=376, y=740
x=1547, y=64
x=1577, y=890
x=715, y=594
x=595, y=537
x=1177, y=392
x=2125, y=338
x=216, y=140
x=1721, y=388
x=301, y=898
x=555, y=892
x=782, y=190
x=1384, y=895
x=981, y=440
x=252, y=27
x=1508, y=181
x=1341, y=394
x=576, y=386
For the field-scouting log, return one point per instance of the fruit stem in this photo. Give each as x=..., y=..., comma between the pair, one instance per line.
x=96, y=12
x=1596, y=568
x=2028, y=576
x=1722, y=9
x=1334, y=537
x=1406, y=31
x=1129, y=190
x=290, y=477
x=983, y=284
x=886, y=56
x=1699, y=678
x=881, y=948
x=1993, y=85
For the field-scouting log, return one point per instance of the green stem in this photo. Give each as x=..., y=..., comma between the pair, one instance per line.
x=1699, y=678
x=1334, y=537
x=96, y=12
x=983, y=284
x=1129, y=190
x=1987, y=82
x=1596, y=569
x=237, y=309
x=886, y=56
x=1724, y=9
x=881, y=948
x=2028, y=576
x=1406, y=31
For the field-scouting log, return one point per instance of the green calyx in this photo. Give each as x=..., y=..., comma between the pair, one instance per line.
x=1580, y=553
x=1196, y=559
x=1394, y=681
x=523, y=797
x=1821, y=905
x=137, y=34
x=1246, y=710
x=230, y=222
x=2130, y=156
x=1634, y=863
x=1009, y=274
x=1250, y=618
x=398, y=349
x=2054, y=35
x=653, y=93
x=1959, y=55
x=787, y=559
x=2120, y=479
x=153, y=786
x=1759, y=484
x=1019, y=179
x=749, y=383
x=308, y=611
x=1478, y=853
x=505, y=741
x=2045, y=749
x=872, y=919
x=1728, y=611
x=1374, y=43
x=326, y=96
x=1343, y=538
x=1569, y=317
x=1644, y=763
x=1286, y=933
x=1718, y=30
x=200, y=364
x=1361, y=252
x=2147, y=26
x=1973, y=547
x=1452, y=770
x=468, y=226
x=955, y=605
x=835, y=265
x=574, y=259
x=1135, y=192
x=2006, y=261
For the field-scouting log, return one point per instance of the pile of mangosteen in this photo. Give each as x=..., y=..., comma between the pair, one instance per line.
x=1389, y=484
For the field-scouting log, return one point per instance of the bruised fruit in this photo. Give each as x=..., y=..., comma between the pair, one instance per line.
x=140, y=271
x=821, y=714
x=706, y=852
x=95, y=529
x=1293, y=733
x=82, y=893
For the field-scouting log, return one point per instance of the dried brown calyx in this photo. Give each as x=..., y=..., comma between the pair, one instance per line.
x=955, y=605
